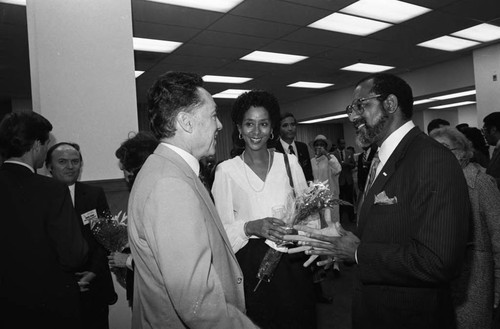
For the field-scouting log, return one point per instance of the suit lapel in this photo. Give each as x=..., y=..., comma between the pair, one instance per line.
x=385, y=175
x=167, y=153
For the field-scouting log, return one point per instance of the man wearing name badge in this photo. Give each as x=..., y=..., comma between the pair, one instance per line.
x=64, y=162
x=41, y=240
x=288, y=131
x=413, y=222
x=186, y=274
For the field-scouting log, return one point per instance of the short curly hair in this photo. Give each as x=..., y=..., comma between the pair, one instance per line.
x=458, y=139
x=172, y=93
x=256, y=98
x=19, y=131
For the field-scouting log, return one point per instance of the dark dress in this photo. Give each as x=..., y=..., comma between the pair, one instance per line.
x=274, y=305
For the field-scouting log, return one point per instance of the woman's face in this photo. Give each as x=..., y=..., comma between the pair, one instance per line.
x=256, y=128
x=457, y=152
x=319, y=148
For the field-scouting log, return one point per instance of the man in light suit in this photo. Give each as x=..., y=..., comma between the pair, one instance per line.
x=186, y=274
x=413, y=221
x=41, y=239
x=64, y=162
x=288, y=131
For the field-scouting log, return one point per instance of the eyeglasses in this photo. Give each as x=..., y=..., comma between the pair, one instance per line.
x=358, y=105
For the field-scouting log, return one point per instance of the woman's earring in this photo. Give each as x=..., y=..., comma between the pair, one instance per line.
x=272, y=134
x=240, y=137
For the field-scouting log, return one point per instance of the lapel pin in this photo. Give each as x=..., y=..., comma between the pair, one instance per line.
x=384, y=174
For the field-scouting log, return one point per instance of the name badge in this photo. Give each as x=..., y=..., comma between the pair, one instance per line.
x=89, y=216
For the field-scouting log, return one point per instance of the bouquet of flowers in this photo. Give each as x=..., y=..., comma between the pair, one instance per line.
x=111, y=232
x=315, y=197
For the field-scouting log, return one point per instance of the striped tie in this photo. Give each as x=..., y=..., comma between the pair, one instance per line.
x=372, y=173
x=290, y=150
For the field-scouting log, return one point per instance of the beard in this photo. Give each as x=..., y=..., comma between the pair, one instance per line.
x=367, y=135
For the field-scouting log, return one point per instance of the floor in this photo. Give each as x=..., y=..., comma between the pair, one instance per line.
x=338, y=314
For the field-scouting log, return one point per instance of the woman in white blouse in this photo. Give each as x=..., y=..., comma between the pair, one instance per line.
x=246, y=189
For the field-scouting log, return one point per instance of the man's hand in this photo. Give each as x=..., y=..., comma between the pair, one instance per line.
x=85, y=278
x=315, y=242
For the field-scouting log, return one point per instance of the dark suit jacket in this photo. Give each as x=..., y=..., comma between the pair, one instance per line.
x=411, y=249
x=101, y=291
x=364, y=167
x=303, y=156
x=494, y=166
x=345, y=177
x=42, y=247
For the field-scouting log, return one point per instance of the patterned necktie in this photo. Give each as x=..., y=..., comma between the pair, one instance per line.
x=371, y=173
x=290, y=150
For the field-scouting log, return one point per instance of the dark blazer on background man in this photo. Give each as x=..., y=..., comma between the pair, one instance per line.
x=494, y=165
x=413, y=239
x=303, y=156
x=101, y=292
x=42, y=247
x=364, y=167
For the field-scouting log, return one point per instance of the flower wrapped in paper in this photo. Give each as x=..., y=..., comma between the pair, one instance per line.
x=298, y=211
x=111, y=232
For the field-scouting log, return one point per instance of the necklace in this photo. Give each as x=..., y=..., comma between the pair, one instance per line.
x=246, y=174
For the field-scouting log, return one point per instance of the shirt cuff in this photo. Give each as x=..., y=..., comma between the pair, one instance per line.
x=129, y=262
x=356, y=256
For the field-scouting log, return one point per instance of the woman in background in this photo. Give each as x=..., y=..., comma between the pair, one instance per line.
x=131, y=154
x=246, y=189
x=477, y=291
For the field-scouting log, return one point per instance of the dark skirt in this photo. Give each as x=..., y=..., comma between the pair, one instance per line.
x=288, y=301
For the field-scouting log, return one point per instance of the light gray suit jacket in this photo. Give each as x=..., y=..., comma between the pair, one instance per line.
x=186, y=275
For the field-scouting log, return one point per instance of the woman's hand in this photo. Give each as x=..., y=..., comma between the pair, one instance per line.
x=269, y=228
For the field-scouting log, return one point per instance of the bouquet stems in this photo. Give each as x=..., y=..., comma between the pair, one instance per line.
x=268, y=265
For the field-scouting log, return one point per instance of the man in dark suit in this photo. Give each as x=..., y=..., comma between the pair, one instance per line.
x=346, y=181
x=288, y=131
x=414, y=219
x=41, y=240
x=64, y=162
x=491, y=130
x=364, y=163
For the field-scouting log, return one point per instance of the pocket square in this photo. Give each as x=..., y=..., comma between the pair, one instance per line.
x=383, y=199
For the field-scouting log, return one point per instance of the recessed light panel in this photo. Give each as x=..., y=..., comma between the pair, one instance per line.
x=225, y=79
x=333, y=117
x=452, y=105
x=230, y=93
x=15, y=2
x=368, y=68
x=423, y=101
x=349, y=24
x=455, y=95
x=222, y=6
x=269, y=57
x=385, y=10
x=312, y=85
x=481, y=32
x=448, y=43
x=157, y=46
x=138, y=73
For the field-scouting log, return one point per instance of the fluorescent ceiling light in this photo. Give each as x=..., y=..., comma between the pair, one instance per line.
x=268, y=57
x=455, y=95
x=230, y=93
x=448, y=43
x=224, y=79
x=423, y=101
x=385, y=10
x=138, y=73
x=452, y=105
x=312, y=85
x=333, y=117
x=368, y=68
x=222, y=6
x=481, y=32
x=157, y=46
x=349, y=24
x=15, y=2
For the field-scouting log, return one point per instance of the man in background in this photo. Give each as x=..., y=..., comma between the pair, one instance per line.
x=346, y=181
x=436, y=123
x=41, y=239
x=186, y=274
x=64, y=162
x=288, y=132
x=491, y=130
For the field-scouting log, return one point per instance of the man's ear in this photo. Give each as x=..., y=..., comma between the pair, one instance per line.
x=185, y=121
x=391, y=103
